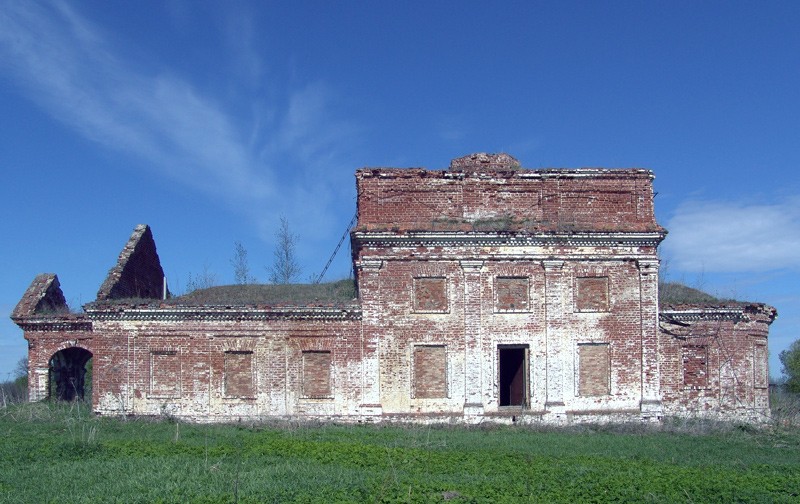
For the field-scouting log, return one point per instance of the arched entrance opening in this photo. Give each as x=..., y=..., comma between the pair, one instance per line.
x=70, y=374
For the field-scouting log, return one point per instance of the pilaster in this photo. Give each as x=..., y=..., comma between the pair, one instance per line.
x=371, y=332
x=37, y=384
x=473, y=356
x=651, y=372
x=555, y=337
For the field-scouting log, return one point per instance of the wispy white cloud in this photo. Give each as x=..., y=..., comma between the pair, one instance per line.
x=720, y=236
x=64, y=64
x=68, y=66
x=451, y=128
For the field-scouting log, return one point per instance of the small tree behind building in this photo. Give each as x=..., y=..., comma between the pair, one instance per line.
x=285, y=268
x=21, y=368
x=790, y=359
x=241, y=268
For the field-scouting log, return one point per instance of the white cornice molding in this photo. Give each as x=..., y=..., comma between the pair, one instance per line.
x=214, y=314
x=700, y=313
x=444, y=239
x=53, y=323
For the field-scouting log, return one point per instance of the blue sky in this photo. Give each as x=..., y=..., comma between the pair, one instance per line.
x=209, y=120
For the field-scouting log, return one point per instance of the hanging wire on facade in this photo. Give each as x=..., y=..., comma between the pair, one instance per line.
x=338, y=246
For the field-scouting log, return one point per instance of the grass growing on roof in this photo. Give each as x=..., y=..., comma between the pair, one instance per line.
x=52, y=452
x=336, y=293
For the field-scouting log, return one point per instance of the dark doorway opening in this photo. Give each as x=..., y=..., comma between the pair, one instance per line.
x=513, y=375
x=70, y=374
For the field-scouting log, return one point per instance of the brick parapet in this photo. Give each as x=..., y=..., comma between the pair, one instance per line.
x=534, y=200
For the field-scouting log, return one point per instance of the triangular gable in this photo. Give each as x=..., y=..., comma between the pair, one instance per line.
x=138, y=272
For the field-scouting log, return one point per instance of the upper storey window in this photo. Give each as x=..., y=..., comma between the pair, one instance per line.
x=591, y=294
x=512, y=294
x=430, y=295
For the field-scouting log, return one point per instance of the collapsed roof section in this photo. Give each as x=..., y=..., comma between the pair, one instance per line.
x=138, y=273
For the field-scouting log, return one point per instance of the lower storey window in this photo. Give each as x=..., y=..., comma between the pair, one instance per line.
x=593, y=369
x=430, y=372
x=239, y=374
x=165, y=374
x=695, y=366
x=316, y=374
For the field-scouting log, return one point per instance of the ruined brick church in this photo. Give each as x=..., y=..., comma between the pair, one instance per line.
x=483, y=292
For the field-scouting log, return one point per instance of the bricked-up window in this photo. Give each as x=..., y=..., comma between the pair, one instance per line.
x=760, y=370
x=430, y=295
x=239, y=374
x=512, y=294
x=317, y=374
x=165, y=374
x=593, y=369
x=430, y=372
x=695, y=366
x=591, y=294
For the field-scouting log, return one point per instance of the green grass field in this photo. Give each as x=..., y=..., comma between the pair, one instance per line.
x=60, y=453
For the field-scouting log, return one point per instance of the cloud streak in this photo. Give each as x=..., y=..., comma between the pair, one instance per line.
x=720, y=236
x=63, y=64
x=69, y=68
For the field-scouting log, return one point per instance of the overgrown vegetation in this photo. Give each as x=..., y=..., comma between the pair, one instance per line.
x=676, y=293
x=785, y=406
x=59, y=452
x=15, y=391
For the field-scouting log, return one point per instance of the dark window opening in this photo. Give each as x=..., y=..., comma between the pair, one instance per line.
x=513, y=376
x=70, y=374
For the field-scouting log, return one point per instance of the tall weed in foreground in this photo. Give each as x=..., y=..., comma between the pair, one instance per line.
x=13, y=392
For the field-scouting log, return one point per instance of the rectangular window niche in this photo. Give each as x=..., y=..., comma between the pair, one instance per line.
x=695, y=366
x=317, y=375
x=165, y=374
x=593, y=369
x=430, y=295
x=591, y=294
x=512, y=294
x=430, y=372
x=239, y=374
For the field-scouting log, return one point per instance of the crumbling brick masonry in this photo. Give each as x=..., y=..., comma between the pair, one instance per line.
x=482, y=292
